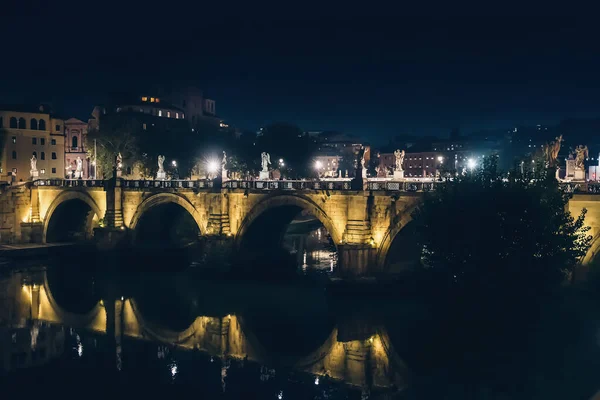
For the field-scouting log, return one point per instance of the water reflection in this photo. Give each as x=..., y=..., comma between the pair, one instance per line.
x=175, y=329
x=311, y=245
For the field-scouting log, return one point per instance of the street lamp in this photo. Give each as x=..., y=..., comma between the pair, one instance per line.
x=318, y=164
x=440, y=159
x=471, y=163
x=213, y=166
x=174, y=163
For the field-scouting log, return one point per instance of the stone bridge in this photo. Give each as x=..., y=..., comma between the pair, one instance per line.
x=363, y=224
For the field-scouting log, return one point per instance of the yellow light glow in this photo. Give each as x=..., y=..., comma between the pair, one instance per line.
x=144, y=98
x=151, y=99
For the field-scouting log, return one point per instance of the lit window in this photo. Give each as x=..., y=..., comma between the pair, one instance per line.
x=43, y=171
x=177, y=115
x=182, y=116
x=160, y=113
x=151, y=99
x=14, y=139
x=168, y=114
x=157, y=100
x=144, y=98
x=144, y=126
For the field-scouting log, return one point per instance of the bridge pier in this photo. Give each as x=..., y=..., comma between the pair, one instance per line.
x=354, y=260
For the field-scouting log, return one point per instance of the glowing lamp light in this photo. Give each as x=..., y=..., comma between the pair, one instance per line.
x=318, y=164
x=174, y=163
x=471, y=163
x=213, y=166
x=317, y=380
x=440, y=159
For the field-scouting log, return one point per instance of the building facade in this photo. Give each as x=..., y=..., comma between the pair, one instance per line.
x=28, y=131
x=75, y=135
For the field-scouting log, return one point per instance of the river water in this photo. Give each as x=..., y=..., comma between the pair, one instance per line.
x=147, y=319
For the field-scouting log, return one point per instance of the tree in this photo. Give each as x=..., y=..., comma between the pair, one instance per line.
x=489, y=236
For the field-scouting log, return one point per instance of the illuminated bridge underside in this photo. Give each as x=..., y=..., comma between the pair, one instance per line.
x=363, y=224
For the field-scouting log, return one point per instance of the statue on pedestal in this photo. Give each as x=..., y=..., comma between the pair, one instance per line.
x=551, y=151
x=79, y=168
x=398, y=169
x=581, y=153
x=161, y=174
x=223, y=165
x=118, y=164
x=265, y=160
x=34, y=172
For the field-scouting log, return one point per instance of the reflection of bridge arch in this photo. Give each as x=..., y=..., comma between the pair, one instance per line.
x=275, y=201
x=162, y=334
x=167, y=198
x=66, y=196
x=63, y=316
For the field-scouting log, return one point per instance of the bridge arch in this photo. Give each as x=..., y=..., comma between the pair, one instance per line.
x=396, y=226
x=70, y=197
x=160, y=199
x=275, y=201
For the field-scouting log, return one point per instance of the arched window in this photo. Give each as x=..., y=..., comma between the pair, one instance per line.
x=22, y=124
x=13, y=122
x=34, y=124
x=74, y=142
x=42, y=125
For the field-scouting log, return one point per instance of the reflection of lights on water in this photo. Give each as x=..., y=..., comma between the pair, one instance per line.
x=304, y=262
x=331, y=265
x=80, y=349
x=173, y=369
x=317, y=380
x=280, y=395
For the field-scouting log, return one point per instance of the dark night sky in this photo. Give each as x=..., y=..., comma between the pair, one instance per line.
x=370, y=76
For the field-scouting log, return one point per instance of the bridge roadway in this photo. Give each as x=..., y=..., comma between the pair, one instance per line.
x=362, y=223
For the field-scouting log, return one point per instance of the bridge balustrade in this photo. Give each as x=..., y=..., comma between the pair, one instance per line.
x=168, y=184
x=70, y=182
x=401, y=186
x=288, y=185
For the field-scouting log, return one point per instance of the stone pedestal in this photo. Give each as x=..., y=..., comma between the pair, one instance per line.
x=398, y=175
x=579, y=175
x=161, y=175
x=34, y=173
x=119, y=173
x=263, y=175
x=224, y=174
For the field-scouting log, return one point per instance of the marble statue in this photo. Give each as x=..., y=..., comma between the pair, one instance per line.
x=399, y=159
x=161, y=174
x=119, y=161
x=33, y=161
x=78, y=168
x=223, y=165
x=581, y=153
x=265, y=161
x=551, y=151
